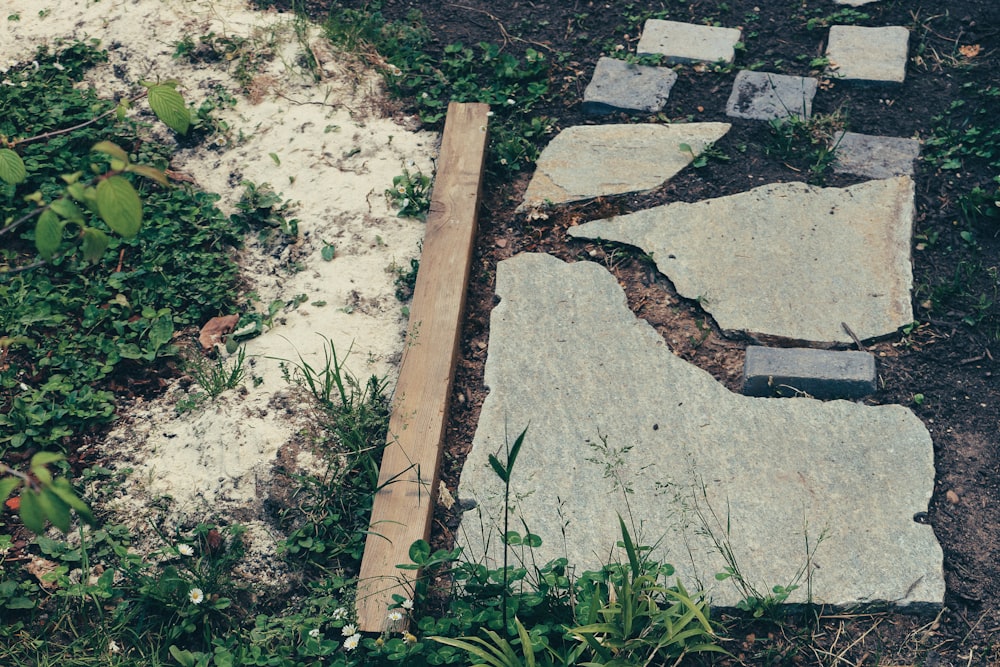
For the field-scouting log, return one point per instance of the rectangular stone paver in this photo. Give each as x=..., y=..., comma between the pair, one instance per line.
x=765, y=96
x=872, y=55
x=770, y=371
x=687, y=42
x=874, y=156
x=621, y=86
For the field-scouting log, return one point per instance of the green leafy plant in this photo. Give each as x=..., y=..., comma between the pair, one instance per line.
x=216, y=376
x=410, y=193
x=806, y=145
x=43, y=497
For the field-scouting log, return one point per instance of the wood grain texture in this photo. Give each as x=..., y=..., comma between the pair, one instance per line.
x=408, y=477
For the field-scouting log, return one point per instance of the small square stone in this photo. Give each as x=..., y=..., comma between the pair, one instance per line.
x=765, y=96
x=874, y=55
x=621, y=86
x=874, y=156
x=687, y=42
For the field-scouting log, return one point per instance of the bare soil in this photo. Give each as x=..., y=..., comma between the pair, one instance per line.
x=943, y=358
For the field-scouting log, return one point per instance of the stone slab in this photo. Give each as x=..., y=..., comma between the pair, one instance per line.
x=872, y=55
x=687, y=42
x=605, y=399
x=766, y=96
x=587, y=161
x=621, y=86
x=823, y=374
x=874, y=156
x=788, y=259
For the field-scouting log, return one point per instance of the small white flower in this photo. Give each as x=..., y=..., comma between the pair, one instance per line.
x=349, y=629
x=339, y=613
x=314, y=633
x=196, y=596
x=619, y=47
x=424, y=95
x=409, y=638
x=510, y=102
x=34, y=63
x=185, y=549
x=351, y=642
x=58, y=66
x=24, y=84
x=401, y=189
x=489, y=114
x=395, y=616
x=114, y=647
x=404, y=202
x=407, y=604
x=395, y=71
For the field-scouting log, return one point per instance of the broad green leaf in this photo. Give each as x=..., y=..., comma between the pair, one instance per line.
x=95, y=242
x=67, y=210
x=54, y=509
x=420, y=551
x=168, y=105
x=45, y=458
x=161, y=331
x=328, y=253
x=151, y=173
x=48, y=233
x=31, y=511
x=119, y=205
x=112, y=149
x=60, y=487
x=7, y=486
x=12, y=169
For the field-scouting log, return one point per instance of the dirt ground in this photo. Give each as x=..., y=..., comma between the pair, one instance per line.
x=943, y=359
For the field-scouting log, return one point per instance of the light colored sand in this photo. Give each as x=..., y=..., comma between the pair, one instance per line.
x=337, y=156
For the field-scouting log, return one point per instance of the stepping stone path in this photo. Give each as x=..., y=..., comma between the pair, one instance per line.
x=788, y=259
x=872, y=55
x=589, y=161
x=873, y=156
x=620, y=426
x=766, y=96
x=607, y=405
x=621, y=86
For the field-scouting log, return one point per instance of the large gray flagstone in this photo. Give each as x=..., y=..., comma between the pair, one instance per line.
x=587, y=161
x=787, y=259
x=608, y=405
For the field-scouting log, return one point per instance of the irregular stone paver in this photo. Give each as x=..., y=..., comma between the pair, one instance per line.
x=588, y=161
x=569, y=360
x=786, y=372
x=687, y=42
x=874, y=156
x=874, y=55
x=787, y=259
x=621, y=86
x=765, y=96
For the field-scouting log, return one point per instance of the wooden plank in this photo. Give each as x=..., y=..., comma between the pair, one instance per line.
x=408, y=477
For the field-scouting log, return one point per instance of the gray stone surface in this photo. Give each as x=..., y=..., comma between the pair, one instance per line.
x=787, y=372
x=874, y=156
x=621, y=86
x=765, y=96
x=873, y=55
x=588, y=161
x=787, y=259
x=570, y=361
x=687, y=42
